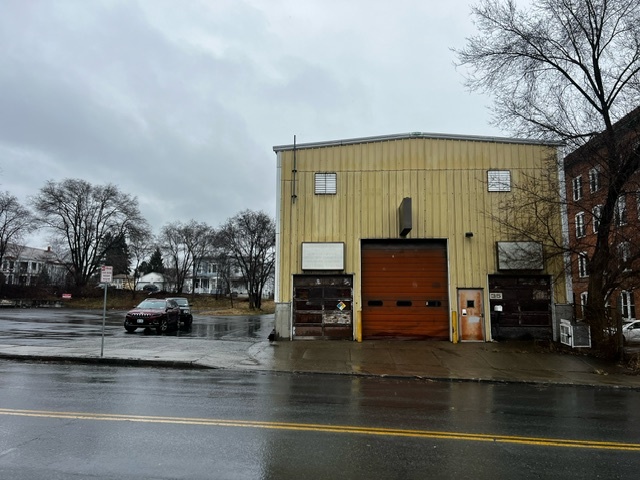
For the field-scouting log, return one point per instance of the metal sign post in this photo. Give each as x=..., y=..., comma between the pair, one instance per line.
x=106, y=277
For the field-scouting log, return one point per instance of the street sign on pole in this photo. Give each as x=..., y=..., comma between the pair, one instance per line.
x=106, y=277
x=106, y=274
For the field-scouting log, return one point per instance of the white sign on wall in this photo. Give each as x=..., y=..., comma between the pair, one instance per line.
x=520, y=256
x=323, y=256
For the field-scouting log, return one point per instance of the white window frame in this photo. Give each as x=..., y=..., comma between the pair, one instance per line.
x=594, y=179
x=583, y=265
x=596, y=213
x=498, y=180
x=624, y=253
x=627, y=307
x=577, y=187
x=620, y=212
x=326, y=183
x=584, y=297
x=581, y=228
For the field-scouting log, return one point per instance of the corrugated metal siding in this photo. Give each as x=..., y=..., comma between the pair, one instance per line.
x=445, y=178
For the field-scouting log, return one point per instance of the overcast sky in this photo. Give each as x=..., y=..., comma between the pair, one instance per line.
x=180, y=102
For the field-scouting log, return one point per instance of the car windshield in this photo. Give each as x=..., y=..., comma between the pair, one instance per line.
x=155, y=304
x=183, y=302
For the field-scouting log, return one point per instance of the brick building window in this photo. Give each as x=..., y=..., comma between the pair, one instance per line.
x=620, y=211
x=577, y=187
x=584, y=296
x=583, y=265
x=627, y=307
x=596, y=212
x=624, y=254
x=594, y=179
x=581, y=230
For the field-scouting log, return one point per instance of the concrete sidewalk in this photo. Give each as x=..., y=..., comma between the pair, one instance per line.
x=493, y=362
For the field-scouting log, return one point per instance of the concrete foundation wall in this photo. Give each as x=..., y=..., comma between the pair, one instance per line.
x=283, y=321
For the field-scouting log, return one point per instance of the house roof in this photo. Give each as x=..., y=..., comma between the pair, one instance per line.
x=413, y=135
x=20, y=252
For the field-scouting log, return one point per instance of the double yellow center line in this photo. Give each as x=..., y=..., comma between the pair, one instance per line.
x=310, y=427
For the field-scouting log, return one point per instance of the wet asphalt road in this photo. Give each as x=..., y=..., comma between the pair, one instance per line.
x=40, y=324
x=103, y=422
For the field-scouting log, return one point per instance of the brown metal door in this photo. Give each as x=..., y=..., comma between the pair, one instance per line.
x=322, y=306
x=470, y=315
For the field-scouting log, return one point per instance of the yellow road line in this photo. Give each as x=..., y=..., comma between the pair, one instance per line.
x=310, y=427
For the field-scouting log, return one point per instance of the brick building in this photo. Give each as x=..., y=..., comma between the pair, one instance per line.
x=587, y=185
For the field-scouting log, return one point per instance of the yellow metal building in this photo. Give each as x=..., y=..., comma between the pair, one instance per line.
x=395, y=237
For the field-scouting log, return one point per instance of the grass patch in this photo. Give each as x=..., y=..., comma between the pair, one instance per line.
x=200, y=304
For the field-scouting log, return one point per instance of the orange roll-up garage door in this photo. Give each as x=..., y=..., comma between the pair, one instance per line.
x=404, y=289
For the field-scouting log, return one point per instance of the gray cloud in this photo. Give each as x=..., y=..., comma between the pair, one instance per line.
x=179, y=103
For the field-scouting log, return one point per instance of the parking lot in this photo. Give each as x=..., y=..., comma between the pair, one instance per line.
x=38, y=324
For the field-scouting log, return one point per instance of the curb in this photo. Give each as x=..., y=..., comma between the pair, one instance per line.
x=119, y=362
x=135, y=362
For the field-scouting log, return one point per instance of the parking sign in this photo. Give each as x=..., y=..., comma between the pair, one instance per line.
x=106, y=274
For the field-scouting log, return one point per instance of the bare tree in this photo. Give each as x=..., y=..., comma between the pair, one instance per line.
x=185, y=245
x=15, y=222
x=172, y=244
x=82, y=217
x=565, y=70
x=224, y=265
x=250, y=238
x=141, y=247
x=200, y=242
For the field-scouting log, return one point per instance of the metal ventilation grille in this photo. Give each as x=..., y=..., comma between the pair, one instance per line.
x=326, y=184
x=499, y=180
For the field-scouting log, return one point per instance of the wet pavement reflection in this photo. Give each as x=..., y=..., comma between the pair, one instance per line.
x=66, y=324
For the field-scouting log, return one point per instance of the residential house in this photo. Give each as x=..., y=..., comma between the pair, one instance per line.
x=26, y=265
x=206, y=278
x=153, y=279
x=209, y=279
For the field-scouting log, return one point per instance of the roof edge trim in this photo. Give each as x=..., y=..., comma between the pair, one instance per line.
x=404, y=136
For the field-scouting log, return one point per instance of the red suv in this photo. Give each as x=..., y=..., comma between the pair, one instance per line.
x=157, y=313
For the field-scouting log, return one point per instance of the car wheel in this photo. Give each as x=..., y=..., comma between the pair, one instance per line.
x=130, y=329
x=163, y=327
x=187, y=323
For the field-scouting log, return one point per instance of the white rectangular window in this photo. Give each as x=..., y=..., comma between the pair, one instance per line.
x=581, y=230
x=627, y=307
x=621, y=211
x=583, y=265
x=326, y=183
x=594, y=179
x=596, y=212
x=577, y=187
x=624, y=254
x=583, y=303
x=499, y=180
